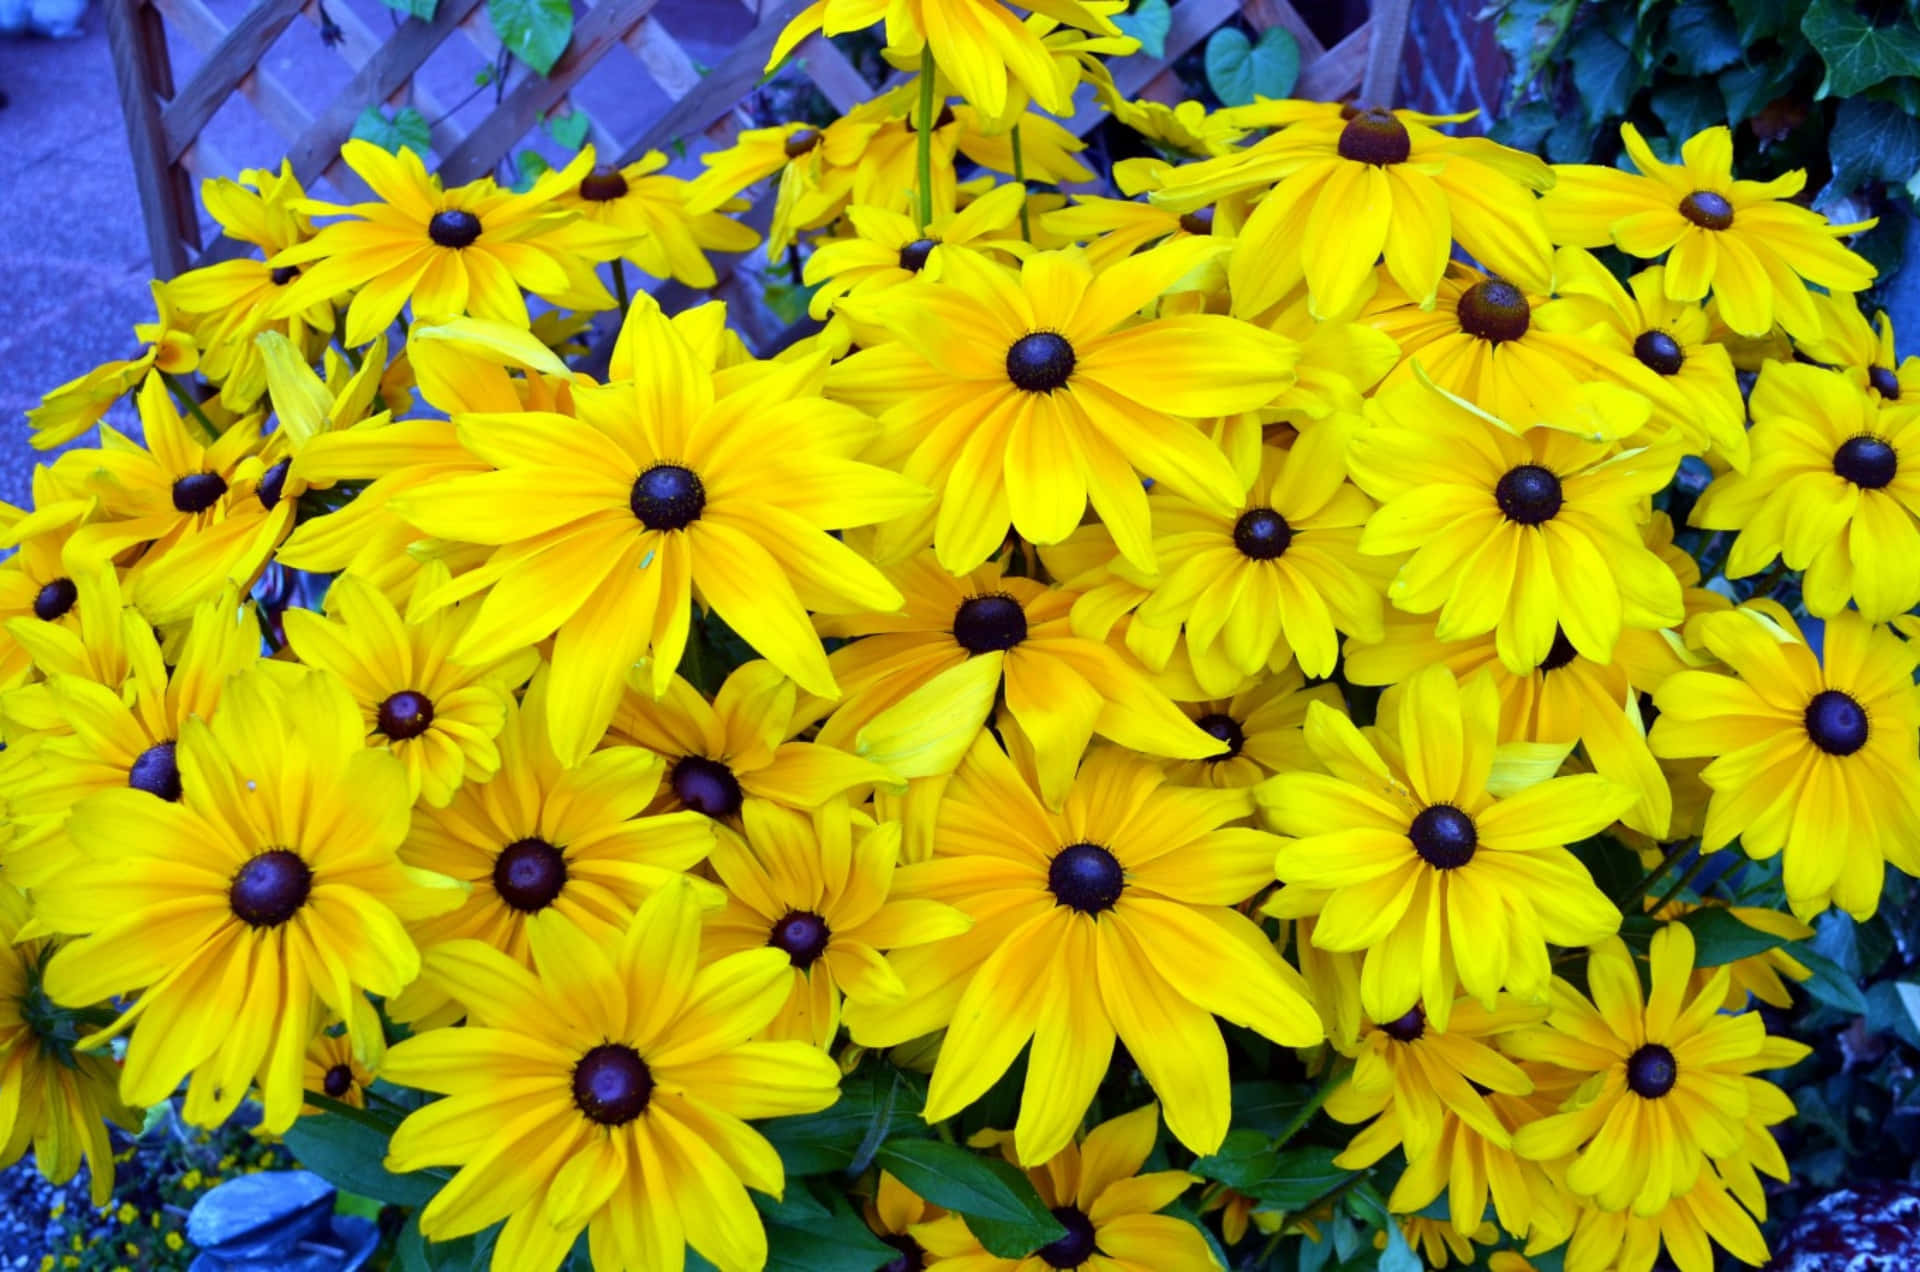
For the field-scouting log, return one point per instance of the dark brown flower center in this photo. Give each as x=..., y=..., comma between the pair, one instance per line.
x=1198, y=221
x=802, y=936
x=270, y=888
x=1086, y=877
x=405, y=715
x=157, y=772
x=53, y=600
x=1076, y=1247
x=1560, y=653
x=668, y=497
x=528, y=874
x=801, y=141
x=1040, y=362
x=273, y=485
x=1884, y=382
x=913, y=257
x=1866, y=461
x=1375, y=136
x=453, y=228
x=603, y=184
x=1262, y=534
x=612, y=1084
x=1707, y=210
x=284, y=274
x=1528, y=494
x=911, y=1257
x=338, y=1082
x=1227, y=729
x=1494, y=310
x=1837, y=722
x=1443, y=836
x=706, y=786
x=1651, y=1071
x=987, y=624
x=1659, y=351
x=1408, y=1028
x=197, y=492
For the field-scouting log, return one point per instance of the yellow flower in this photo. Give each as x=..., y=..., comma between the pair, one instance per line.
x=1834, y=489
x=666, y=238
x=1764, y=975
x=1814, y=756
x=607, y=1090
x=1439, y=1243
x=1690, y=1226
x=889, y=249
x=1109, y=919
x=1262, y=728
x=333, y=1070
x=1438, y=853
x=74, y=407
x=1862, y=351
x=894, y=1213
x=1742, y=239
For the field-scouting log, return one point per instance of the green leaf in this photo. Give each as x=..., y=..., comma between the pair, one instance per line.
x=349, y=1155
x=570, y=129
x=1831, y=984
x=1239, y=71
x=1719, y=937
x=535, y=31
x=1872, y=141
x=1529, y=30
x=873, y=1106
x=1604, y=73
x=1687, y=106
x=1148, y=23
x=412, y=1252
x=1399, y=1256
x=405, y=129
x=1016, y=1221
x=421, y=9
x=1268, y=1107
x=819, y=1232
x=1757, y=20
x=1702, y=38
x=1284, y=1180
x=1747, y=90
x=1858, y=54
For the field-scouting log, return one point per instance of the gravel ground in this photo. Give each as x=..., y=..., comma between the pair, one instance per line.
x=27, y=1228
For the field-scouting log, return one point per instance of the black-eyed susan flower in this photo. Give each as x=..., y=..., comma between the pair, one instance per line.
x=334, y=1071
x=1438, y=854
x=38, y=581
x=440, y=717
x=817, y=889
x=1521, y=535
x=1671, y=1085
x=886, y=248
x=665, y=238
x=1109, y=919
x=1765, y=975
x=1262, y=727
x=1022, y=398
x=1440, y=1244
x=613, y=1082
x=1689, y=1227
x=1110, y=1210
x=1742, y=240
x=673, y=485
x=1344, y=189
x=822, y=170
x=54, y=1100
x=893, y=1214
x=1803, y=744
x=73, y=408
x=469, y=250
x=1833, y=489
x=271, y=887
x=921, y=683
x=1862, y=351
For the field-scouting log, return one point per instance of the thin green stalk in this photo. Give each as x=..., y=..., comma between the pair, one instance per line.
x=341, y=1108
x=1654, y=875
x=339, y=342
x=924, y=156
x=1693, y=872
x=1328, y=1085
x=186, y=400
x=620, y=285
x=1020, y=175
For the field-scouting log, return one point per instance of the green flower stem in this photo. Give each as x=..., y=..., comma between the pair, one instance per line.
x=924, y=157
x=1328, y=1085
x=186, y=400
x=620, y=285
x=1654, y=875
x=1693, y=872
x=1020, y=175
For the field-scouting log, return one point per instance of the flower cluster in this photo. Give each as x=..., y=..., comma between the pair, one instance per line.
x=1202, y=626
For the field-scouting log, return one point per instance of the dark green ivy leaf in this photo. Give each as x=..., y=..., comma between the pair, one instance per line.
x=405, y=129
x=1239, y=71
x=1702, y=38
x=1604, y=72
x=1757, y=20
x=1859, y=54
x=1148, y=23
x=1872, y=141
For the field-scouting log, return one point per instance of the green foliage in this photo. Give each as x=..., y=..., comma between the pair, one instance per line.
x=1858, y=53
x=1279, y=1178
x=348, y=1153
x=535, y=31
x=1240, y=70
x=996, y=1199
x=1148, y=23
x=570, y=129
x=404, y=128
x=815, y=1230
x=1719, y=937
x=421, y=9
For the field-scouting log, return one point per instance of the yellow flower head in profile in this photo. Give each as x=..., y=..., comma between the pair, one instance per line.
x=1689, y=1227
x=1520, y=534
x=1020, y=398
x=1110, y=919
x=73, y=408
x=54, y=1100
x=1108, y=1207
x=1344, y=188
x=1834, y=490
x=1666, y=1082
x=270, y=888
x=668, y=239
x=334, y=1071
x=468, y=250
x=1813, y=755
x=1437, y=852
x=1862, y=351
x=886, y=248
x=816, y=888
x=1742, y=239
x=677, y=484
x=608, y=1090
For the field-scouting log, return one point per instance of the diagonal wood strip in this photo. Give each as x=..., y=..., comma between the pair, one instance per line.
x=724, y=86
x=239, y=52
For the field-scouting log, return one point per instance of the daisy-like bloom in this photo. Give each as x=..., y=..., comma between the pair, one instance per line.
x=1834, y=489
x=543, y=841
x=888, y=248
x=893, y=1215
x=1438, y=853
x=667, y=240
x=673, y=485
x=1096, y=1191
x=1657, y=346
x=1262, y=728
x=333, y=1070
x=1515, y=534
x=982, y=46
x=1803, y=745
x=74, y=407
x=816, y=888
x=53, y=1099
x=38, y=580
x=613, y=1083
x=1764, y=975
x=1343, y=189
x=922, y=683
x=1114, y=229
x=1667, y=1082
x=270, y=888
x=1472, y=1169
x=1743, y=240
x=1689, y=1227
x=1439, y=1243
x=468, y=250
x=440, y=717
x=1862, y=351
x=1020, y=398
x=1109, y=919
